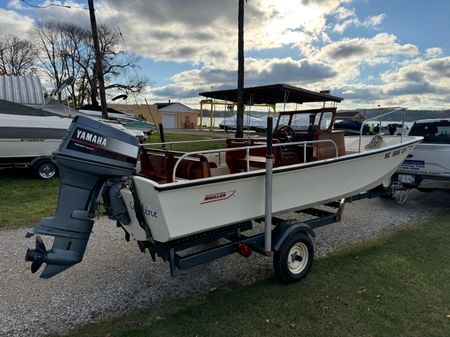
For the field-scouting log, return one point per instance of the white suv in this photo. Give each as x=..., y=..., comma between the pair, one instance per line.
x=428, y=166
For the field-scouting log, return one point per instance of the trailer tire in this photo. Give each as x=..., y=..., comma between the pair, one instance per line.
x=294, y=259
x=44, y=169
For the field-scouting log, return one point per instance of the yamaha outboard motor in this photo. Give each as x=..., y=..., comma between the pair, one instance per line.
x=91, y=156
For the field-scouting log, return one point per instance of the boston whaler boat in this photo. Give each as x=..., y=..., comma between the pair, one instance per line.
x=176, y=200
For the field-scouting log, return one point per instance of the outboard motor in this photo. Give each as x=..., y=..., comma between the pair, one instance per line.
x=91, y=155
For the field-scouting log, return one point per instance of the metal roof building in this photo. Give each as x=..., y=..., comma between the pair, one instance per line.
x=21, y=89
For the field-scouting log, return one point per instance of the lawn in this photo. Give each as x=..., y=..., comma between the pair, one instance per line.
x=395, y=286
x=176, y=137
x=24, y=200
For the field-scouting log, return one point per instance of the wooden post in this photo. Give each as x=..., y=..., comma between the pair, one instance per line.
x=98, y=60
x=240, y=81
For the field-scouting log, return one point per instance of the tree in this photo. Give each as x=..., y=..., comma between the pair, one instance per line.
x=67, y=50
x=16, y=56
x=49, y=38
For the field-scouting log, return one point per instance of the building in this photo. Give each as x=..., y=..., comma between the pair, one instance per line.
x=351, y=114
x=21, y=89
x=171, y=115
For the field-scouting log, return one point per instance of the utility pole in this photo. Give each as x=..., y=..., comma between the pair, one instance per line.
x=240, y=81
x=98, y=60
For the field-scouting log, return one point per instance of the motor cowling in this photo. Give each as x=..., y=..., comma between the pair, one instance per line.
x=91, y=154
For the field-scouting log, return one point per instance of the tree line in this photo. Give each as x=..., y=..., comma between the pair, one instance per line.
x=62, y=50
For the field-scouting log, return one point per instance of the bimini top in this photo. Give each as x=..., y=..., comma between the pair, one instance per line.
x=273, y=94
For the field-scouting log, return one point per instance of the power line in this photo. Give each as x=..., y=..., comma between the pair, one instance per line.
x=118, y=26
x=52, y=5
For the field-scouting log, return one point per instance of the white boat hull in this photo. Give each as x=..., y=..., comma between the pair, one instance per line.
x=188, y=207
x=18, y=148
x=23, y=136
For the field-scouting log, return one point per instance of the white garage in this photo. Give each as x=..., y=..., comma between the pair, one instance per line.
x=169, y=120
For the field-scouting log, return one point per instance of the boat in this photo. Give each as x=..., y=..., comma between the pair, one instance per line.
x=351, y=127
x=28, y=137
x=312, y=166
x=250, y=123
x=141, y=128
x=172, y=200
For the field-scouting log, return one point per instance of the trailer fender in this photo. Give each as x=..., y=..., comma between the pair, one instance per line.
x=287, y=228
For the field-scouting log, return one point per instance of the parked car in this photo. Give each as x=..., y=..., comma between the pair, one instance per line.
x=427, y=168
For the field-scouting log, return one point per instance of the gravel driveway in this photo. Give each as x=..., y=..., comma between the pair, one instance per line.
x=115, y=277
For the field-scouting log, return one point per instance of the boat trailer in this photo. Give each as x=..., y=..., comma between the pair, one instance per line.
x=292, y=241
x=94, y=158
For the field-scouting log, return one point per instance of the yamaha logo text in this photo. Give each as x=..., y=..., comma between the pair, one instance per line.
x=90, y=137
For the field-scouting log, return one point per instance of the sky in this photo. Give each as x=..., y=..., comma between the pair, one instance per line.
x=370, y=52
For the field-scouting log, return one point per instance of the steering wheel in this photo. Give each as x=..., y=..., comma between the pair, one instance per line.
x=285, y=134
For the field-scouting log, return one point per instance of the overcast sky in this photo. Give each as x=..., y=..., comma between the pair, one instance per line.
x=371, y=52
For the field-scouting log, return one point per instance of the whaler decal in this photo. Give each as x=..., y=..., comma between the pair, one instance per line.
x=90, y=137
x=217, y=196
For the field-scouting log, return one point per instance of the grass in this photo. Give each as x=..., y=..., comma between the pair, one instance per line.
x=175, y=137
x=25, y=199
x=396, y=286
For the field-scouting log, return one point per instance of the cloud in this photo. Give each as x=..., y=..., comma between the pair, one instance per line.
x=204, y=33
x=288, y=70
x=67, y=11
x=258, y=72
x=433, y=52
x=171, y=30
x=422, y=77
x=174, y=90
x=421, y=84
x=365, y=49
x=361, y=92
x=347, y=17
x=15, y=24
x=374, y=21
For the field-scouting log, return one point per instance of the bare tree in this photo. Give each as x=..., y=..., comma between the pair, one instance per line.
x=116, y=64
x=67, y=50
x=16, y=56
x=48, y=38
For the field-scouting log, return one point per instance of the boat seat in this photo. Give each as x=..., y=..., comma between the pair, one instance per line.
x=159, y=165
x=327, y=150
x=237, y=160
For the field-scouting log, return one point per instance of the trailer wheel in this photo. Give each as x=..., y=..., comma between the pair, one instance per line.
x=294, y=259
x=44, y=169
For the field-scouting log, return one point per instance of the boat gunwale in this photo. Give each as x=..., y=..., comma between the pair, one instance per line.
x=281, y=169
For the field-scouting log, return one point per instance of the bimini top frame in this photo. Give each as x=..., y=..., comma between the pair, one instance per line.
x=273, y=94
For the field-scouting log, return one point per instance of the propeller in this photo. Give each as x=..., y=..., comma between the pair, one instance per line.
x=36, y=256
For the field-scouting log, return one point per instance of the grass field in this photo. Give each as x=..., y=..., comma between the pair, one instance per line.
x=25, y=199
x=395, y=286
x=175, y=137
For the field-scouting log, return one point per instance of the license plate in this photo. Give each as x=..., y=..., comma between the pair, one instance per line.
x=406, y=178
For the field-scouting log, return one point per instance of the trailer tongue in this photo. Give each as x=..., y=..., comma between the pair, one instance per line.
x=91, y=154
